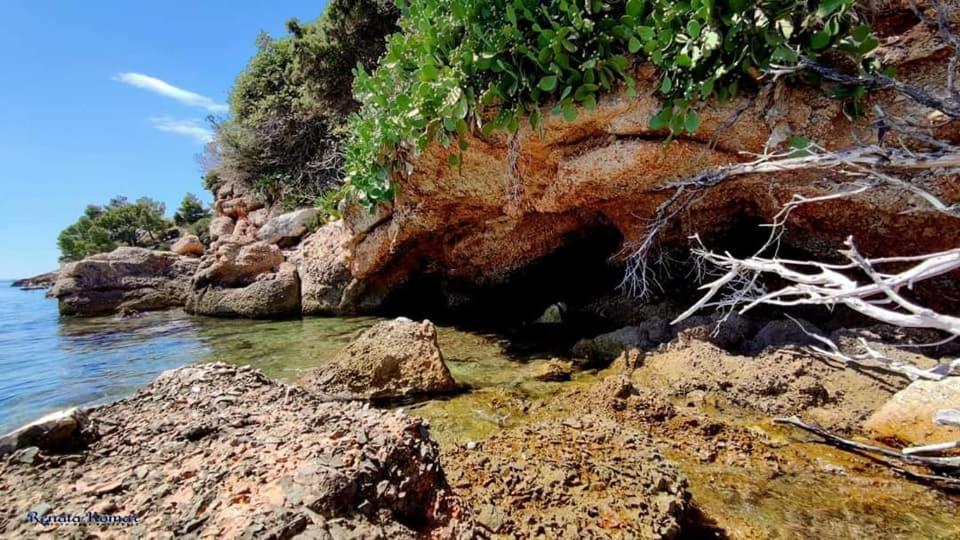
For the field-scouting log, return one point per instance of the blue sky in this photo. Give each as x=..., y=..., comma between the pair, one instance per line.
x=107, y=98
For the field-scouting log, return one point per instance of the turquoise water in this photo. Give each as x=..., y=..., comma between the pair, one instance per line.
x=50, y=362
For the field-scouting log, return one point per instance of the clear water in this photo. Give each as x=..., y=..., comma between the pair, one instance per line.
x=50, y=362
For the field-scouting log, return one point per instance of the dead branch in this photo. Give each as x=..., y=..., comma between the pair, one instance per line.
x=949, y=465
x=873, y=359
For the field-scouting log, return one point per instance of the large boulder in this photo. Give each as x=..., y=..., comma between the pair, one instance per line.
x=219, y=451
x=268, y=295
x=326, y=285
x=232, y=264
x=393, y=359
x=909, y=415
x=221, y=227
x=62, y=431
x=126, y=279
x=286, y=229
x=188, y=245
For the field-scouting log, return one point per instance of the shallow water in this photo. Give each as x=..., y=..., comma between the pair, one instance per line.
x=50, y=363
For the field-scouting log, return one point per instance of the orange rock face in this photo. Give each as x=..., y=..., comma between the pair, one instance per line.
x=512, y=202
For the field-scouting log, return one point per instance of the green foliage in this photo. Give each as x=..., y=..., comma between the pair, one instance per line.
x=201, y=229
x=455, y=58
x=119, y=223
x=191, y=211
x=289, y=102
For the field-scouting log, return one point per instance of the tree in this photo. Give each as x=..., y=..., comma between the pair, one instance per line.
x=191, y=211
x=118, y=223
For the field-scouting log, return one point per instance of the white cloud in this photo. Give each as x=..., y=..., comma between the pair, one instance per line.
x=191, y=128
x=166, y=89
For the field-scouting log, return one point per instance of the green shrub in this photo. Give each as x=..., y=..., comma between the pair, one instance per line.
x=454, y=58
x=289, y=103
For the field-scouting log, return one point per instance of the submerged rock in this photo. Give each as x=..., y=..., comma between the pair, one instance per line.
x=607, y=347
x=554, y=370
x=393, y=359
x=909, y=415
x=219, y=451
x=549, y=480
x=126, y=279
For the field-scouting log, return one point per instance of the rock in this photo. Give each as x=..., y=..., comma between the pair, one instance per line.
x=731, y=334
x=269, y=295
x=62, y=431
x=286, y=229
x=326, y=285
x=232, y=264
x=393, y=359
x=42, y=281
x=126, y=279
x=221, y=227
x=278, y=451
x=607, y=347
x=553, y=314
x=554, y=370
x=781, y=333
x=188, y=245
x=543, y=480
x=908, y=417
x=460, y=222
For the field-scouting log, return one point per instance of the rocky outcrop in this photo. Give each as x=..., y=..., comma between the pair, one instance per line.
x=543, y=480
x=393, y=359
x=268, y=295
x=514, y=200
x=287, y=229
x=188, y=245
x=218, y=451
x=327, y=287
x=42, y=281
x=908, y=418
x=126, y=279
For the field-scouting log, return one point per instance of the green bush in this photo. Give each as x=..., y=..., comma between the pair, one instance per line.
x=120, y=223
x=288, y=104
x=454, y=58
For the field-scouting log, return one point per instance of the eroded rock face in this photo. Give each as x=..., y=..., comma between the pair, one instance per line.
x=909, y=415
x=326, y=284
x=485, y=219
x=543, y=480
x=393, y=359
x=126, y=279
x=219, y=451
